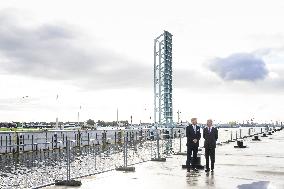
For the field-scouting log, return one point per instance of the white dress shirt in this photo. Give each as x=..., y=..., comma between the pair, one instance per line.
x=194, y=128
x=210, y=129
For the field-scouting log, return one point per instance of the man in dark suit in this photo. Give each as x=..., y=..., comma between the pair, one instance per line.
x=193, y=136
x=210, y=135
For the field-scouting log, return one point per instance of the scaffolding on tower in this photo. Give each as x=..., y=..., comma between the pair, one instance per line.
x=163, y=107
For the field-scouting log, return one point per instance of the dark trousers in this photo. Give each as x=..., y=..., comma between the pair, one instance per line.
x=190, y=159
x=210, y=152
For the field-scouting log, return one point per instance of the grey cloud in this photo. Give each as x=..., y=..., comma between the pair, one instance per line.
x=55, y=52
x=241, y=66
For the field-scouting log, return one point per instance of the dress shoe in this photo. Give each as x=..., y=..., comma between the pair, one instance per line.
x=207, y=170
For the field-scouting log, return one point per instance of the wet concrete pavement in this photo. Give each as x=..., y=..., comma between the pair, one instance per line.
x=259, y=166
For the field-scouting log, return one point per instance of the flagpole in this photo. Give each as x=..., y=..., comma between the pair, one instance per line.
x=79, y=115
x=117, y=116
x=56, y=124
x=78, y=118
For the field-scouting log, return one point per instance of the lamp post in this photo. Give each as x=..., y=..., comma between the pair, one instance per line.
x=131, y=120
x=24, y=98
x=117, y=116
x=79, y=116
x=178, y=112
x=57, y=104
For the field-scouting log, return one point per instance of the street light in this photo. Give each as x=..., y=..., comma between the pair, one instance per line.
x=23, y=100
x=131, y=120
x=178, y=112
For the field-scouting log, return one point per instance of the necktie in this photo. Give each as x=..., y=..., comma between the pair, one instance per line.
x=209, y=129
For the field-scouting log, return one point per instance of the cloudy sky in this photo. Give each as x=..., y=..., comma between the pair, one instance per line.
x=228, y=59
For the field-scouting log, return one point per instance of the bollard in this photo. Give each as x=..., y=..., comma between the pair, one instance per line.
x=264, y=135
x=256, y=138
x=240, y=144
x=197, y=163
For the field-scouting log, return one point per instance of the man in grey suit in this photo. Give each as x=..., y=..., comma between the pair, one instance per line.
x=210, y=135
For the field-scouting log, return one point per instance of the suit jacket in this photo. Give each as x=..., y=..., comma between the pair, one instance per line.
x=190, y=134
x=210, y=138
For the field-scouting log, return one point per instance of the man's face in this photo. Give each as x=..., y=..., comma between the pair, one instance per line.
x=209, y=123
x=194, y=121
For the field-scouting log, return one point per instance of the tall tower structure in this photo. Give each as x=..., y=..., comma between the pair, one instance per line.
x=163, y=107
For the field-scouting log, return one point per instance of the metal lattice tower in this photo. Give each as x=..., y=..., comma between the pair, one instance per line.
x=163, y=107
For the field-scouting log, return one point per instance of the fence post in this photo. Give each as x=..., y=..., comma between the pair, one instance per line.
x=68, y=181
x=125, y=155
x=68, y=160
x=159, y=159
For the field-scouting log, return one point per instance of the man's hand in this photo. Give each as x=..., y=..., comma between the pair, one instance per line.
x=195, y=140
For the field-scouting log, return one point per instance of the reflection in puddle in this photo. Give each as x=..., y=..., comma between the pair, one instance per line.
x=192, y=178
x=209, y=179
x=255, y=185
x=197, y=179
